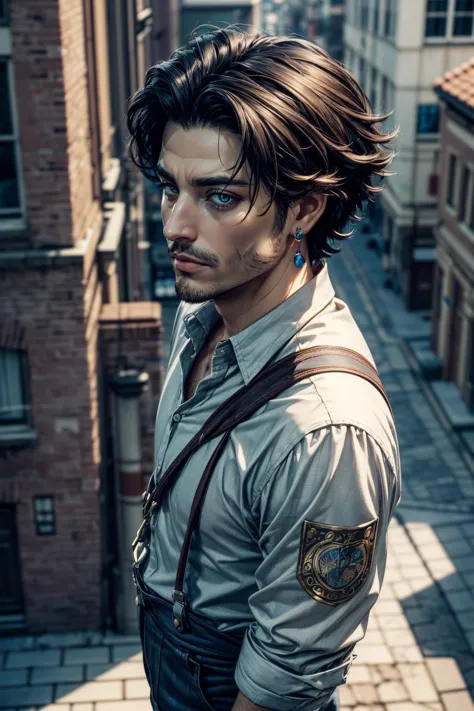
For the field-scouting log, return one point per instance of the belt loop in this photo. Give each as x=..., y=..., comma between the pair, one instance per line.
x=179, y=611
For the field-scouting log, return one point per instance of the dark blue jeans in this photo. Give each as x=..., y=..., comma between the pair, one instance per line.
x=191, y=671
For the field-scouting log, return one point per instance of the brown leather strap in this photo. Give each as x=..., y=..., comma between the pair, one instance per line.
x=267, y=384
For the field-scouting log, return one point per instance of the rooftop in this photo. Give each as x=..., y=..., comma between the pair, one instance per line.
x=459, y=83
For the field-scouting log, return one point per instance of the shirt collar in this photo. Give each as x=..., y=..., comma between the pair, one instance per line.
x=256, y=345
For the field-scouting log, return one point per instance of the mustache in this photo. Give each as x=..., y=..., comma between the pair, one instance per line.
x=205, y=259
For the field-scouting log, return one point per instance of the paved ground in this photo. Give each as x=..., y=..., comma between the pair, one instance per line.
x=418, y=653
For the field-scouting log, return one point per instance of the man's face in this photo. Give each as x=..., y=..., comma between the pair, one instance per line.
x=205, y=221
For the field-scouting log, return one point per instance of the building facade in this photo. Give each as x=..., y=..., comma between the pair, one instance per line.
x=453, y=304
x=325, y=25
x=396, y=48
x=80, y=362
x=194, y=13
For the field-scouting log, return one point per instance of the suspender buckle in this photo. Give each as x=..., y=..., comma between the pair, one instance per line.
x=141, y=543
x=179, y=611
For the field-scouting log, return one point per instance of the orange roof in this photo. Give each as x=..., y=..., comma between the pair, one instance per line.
x=459, y=83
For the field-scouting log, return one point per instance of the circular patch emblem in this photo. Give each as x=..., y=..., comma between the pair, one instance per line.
x=334, y=562
x=340, y=566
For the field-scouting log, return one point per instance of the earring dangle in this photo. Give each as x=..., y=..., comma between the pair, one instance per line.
x=298, y=258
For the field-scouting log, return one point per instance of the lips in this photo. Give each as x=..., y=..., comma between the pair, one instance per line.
x=184, y=258
x=187, y=265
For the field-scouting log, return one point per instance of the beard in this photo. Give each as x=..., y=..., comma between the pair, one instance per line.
x=195, y=294
x=242, y=268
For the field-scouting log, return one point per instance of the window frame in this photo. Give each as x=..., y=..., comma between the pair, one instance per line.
x=363, y=72
x=374, y=87
x=356, y=9
x=6, y=20
x=14, y=217
x=376, y=16
x=463, y=201
x=468, y=223
x=448, y=35
x=428, y=134
x=451, y=193
x=23, y=385
x=43, y=517
x=364, y=15
x=388, y=29
x=20, y=433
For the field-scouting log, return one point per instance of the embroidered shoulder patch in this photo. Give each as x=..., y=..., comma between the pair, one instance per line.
x=334, y=561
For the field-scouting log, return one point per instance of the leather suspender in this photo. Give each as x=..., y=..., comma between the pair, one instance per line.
x=271, y=381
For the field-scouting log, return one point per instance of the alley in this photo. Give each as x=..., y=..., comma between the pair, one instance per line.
x=418, y=650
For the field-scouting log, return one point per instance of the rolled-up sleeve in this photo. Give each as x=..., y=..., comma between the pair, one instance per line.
x=298, y=649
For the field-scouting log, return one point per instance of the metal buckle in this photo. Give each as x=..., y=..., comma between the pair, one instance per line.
x=179, y=611
x=148, y=508
x=140, y=545
x=140, y=532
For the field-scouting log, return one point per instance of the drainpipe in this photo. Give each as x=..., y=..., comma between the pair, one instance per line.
x=127, y=386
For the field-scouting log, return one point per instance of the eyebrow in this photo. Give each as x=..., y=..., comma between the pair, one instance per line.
x=202, y=182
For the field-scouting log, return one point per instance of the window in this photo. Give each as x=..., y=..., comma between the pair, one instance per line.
x=436, y=18
x=390, y=20
x=449, y=19
x=362, y=72
x=10, y=198
x=3, y=12
x=428, y=119
x=385, y=106
x=45, y=517
x=14, y=408
x=373, y=86
x=364, y=15
x=376, y=18
x=466, y=174
x=471, y=211
x=452, y=167
x=356, y=11
x=463, y=16
x=387, y=101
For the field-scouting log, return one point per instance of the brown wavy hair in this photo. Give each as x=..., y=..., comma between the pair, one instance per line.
x=303, y=121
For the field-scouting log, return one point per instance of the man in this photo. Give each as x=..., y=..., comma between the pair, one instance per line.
x=263, y=148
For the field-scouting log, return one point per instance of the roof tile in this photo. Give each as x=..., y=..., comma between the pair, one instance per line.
x=459, y=82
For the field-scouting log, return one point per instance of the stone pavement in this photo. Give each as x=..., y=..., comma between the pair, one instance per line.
x=418, y=652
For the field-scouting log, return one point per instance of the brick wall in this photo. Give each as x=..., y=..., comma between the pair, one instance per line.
x=48, y=54
x=54, y=311
x=61, y=573
x=133, y=334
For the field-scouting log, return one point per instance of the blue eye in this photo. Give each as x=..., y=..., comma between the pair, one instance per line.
x=164, y=187
x=224, y=200
x=227, y=199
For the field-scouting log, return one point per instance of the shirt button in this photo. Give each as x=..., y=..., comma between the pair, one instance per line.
x=176, y=417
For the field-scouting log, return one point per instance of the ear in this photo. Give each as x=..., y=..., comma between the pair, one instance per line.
x=308, y=210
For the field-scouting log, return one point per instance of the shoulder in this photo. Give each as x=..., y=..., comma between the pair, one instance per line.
x=341, y=398
x=329, y=465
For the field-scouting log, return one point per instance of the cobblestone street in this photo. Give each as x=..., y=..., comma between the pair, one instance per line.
x=418, y=653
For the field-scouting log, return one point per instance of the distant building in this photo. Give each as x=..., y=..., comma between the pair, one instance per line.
x=325, y=25
x=194, y=13
x=80, y=342
x=396, y=48
x=453, y=305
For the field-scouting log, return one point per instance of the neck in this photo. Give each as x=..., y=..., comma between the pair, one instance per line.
x=246, y=304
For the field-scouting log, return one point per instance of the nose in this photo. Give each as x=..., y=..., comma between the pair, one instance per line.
x=178, y=223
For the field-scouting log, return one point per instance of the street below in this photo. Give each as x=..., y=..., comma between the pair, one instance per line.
x=418, y=653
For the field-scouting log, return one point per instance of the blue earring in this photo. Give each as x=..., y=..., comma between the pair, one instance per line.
x=298, y=258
